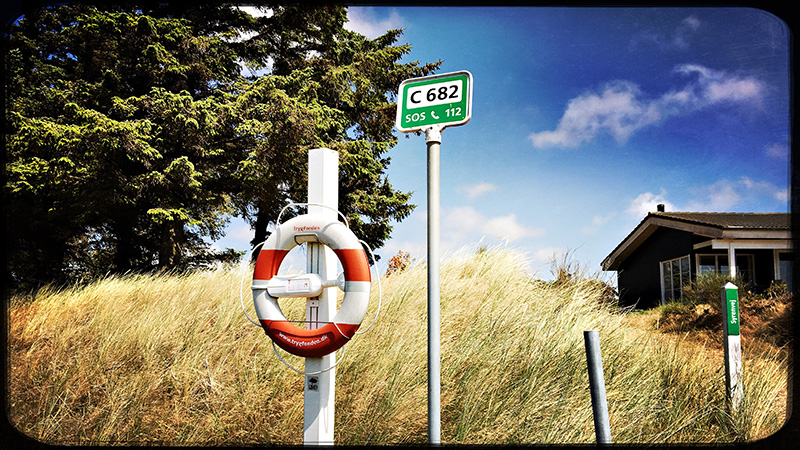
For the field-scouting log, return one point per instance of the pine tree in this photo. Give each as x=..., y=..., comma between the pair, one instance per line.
x=133, y=134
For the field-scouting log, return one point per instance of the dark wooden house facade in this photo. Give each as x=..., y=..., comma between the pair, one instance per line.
x=669, y=249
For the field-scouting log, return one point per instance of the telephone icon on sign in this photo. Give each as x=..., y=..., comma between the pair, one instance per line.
x=433, y=113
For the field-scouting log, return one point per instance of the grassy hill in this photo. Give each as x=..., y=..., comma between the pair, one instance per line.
x=172, y=359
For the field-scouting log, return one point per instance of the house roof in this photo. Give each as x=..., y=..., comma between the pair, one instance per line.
x=762, y=221
x=760, y=226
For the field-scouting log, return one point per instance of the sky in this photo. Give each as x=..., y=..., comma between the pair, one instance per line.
x=584, y=119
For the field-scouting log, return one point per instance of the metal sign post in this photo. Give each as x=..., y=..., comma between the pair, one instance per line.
x=430, y=104
x=732, y=345
x=319, y=390
x=433, y=139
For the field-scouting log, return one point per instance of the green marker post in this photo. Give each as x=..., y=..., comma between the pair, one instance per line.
x=732, y=344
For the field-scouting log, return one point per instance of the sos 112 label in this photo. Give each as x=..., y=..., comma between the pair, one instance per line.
x=455, y=112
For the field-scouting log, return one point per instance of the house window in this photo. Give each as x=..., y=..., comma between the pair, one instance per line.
x=786, y=269
x=719, y=264
x=712, y=264
x=745, y=268
x=674, y=276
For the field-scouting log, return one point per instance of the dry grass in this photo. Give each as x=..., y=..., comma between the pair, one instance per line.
x=172, y=360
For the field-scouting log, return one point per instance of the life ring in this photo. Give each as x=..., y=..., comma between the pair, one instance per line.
x=331, y=336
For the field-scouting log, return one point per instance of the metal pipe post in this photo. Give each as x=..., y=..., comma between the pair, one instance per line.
x=597, y=386
x=433, y=139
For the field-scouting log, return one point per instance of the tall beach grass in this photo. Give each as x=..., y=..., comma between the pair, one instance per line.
x=172, y=359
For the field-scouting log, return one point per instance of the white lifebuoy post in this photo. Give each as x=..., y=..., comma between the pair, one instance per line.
x=319, y=390
x=326, y=330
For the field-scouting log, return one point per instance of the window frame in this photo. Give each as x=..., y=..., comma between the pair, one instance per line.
x=724, y=258
x=778, y=273
x=663, y=273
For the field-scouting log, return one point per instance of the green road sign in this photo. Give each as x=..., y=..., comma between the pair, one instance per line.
x=731, y=313
x=444, y=100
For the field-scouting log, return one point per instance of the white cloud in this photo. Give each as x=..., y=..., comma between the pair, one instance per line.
x=461, y=219
x=725, y=195
x=464, y=225
x=460, y=227
x=679, y=39
x=600, y=220
x=777, y=151
x=721, y=196
x=597, y=222
x=364, y=21
x=715, y=86
x=620, y=109
x=476, y=190
x=616, y=110
x=765, y=188
x=647, y=202
x=507, y=227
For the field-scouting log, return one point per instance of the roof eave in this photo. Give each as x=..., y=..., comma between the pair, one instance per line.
x=638, y=235
x=646, y=228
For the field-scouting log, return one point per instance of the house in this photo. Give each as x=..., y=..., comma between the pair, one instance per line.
x=669, y=249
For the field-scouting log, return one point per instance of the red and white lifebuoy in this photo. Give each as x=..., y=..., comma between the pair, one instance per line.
x=331, y=336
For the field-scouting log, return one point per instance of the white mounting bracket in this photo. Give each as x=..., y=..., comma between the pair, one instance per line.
x=433, y=134
x=305, y=285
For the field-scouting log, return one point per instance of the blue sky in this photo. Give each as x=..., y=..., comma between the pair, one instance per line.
x=585, y=118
